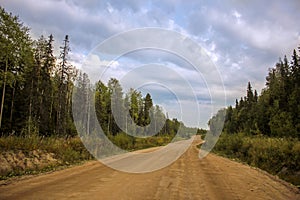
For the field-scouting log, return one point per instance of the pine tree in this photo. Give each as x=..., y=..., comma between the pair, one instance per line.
x=255, y=96
x=249, y=93
x=41, y=97
x=103, y=106
x=135, y=99
x=65, y=75
x=295, y=69
x=147, y=106
x=276, y=111
x=47, y=96
x=117, y=106
x=16, y=58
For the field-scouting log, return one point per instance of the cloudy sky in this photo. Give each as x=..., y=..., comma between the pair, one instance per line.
x=242, y=38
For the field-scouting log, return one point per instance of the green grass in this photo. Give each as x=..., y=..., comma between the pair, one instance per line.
x=278, y=156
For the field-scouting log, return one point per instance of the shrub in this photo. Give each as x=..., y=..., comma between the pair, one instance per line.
x=274, y=155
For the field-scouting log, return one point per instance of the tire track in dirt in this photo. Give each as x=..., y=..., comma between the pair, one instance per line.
x=188, y=178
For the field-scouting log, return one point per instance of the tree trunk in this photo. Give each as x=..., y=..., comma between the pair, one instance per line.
x=3, y=93
x=88, y=111
x=12, y=105
x=30, y=108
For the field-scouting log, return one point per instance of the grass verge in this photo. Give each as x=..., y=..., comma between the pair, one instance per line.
x=278, y=156
x=35, y=154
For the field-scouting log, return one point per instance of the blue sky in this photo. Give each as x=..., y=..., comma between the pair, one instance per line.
x=243, y=38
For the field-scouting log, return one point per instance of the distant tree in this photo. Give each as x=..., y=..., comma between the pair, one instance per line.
x=250, y=96
x=135, y=102
x=147, y=106
x=255, y=96
x=102, y=106
x=117, y=106
x=83, y=102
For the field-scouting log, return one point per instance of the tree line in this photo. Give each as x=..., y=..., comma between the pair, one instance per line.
x=37, y=88
x=275, y=112
x=121, y=112
x=36, y=85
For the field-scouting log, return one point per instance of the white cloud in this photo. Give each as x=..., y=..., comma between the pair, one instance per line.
x=95, y=67
x=263, y=34
x=243, y=39
x=236, y=14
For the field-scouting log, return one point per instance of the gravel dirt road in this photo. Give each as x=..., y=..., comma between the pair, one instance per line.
x=189, y=177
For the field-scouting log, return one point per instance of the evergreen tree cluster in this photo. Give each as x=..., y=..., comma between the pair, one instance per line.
x=35, y=86
x=276, y=111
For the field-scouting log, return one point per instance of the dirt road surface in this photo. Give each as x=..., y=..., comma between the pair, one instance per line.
x=189, y=177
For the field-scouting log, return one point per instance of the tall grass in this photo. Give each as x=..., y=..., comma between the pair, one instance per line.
x=279, y=156
x=67, y=150
x=127, y=142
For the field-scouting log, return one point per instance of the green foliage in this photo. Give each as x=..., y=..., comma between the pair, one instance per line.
x=275, y=112
x=15, y=58
x=276, y=155
x=35, y=89
x=201, y=131
x=132, y=113
x=264, y=131
x=141, y=143
x=123, y=141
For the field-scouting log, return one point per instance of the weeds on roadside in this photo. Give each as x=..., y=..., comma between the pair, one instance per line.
x=279, y=156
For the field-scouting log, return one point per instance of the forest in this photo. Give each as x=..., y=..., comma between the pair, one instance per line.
x=275, y=112
x=264, y=130
x=35, y=85
x=37, y=89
